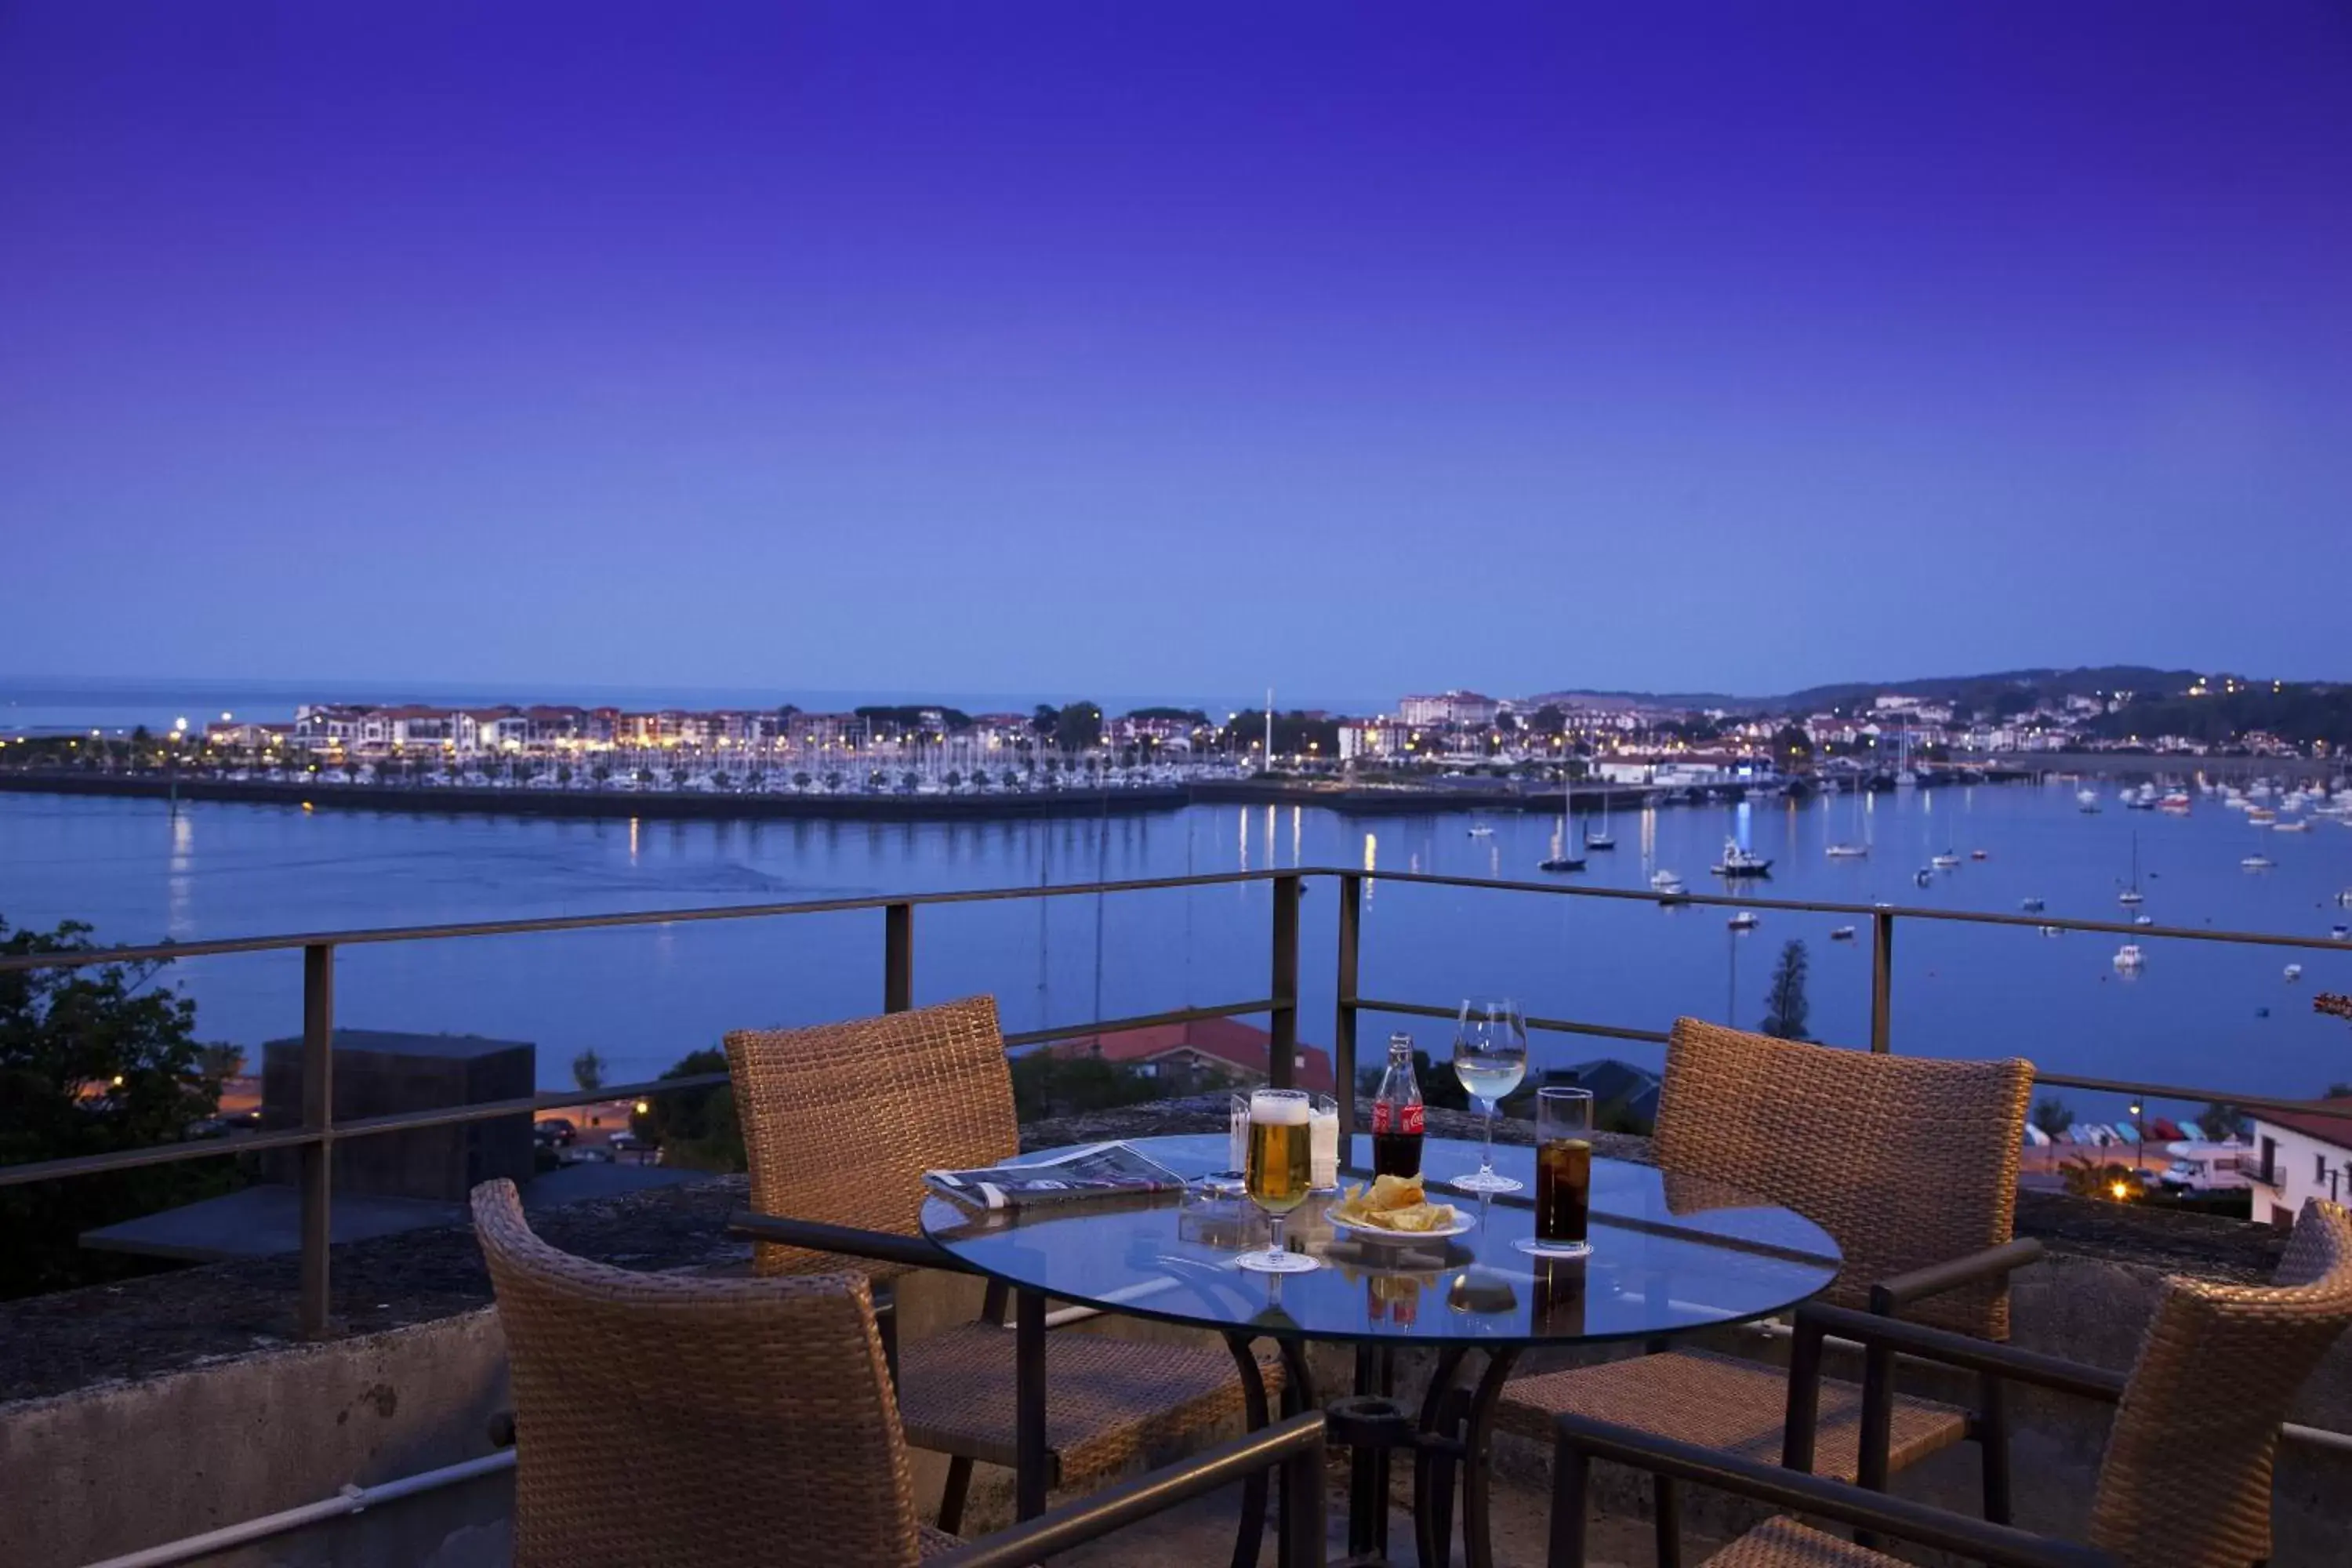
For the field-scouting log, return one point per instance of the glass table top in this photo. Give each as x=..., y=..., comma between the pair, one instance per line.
x=1668, y=1254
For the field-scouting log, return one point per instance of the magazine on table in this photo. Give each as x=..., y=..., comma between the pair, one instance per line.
x=1096, y=1171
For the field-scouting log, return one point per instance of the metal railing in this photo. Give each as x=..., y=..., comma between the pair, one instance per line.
x=321, y=1131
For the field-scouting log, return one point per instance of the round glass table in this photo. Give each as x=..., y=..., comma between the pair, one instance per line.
x=1669, y=1255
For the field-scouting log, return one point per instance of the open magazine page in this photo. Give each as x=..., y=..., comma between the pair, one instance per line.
x=1098, y=1170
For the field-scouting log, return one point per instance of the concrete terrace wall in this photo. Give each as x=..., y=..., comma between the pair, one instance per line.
x=112, y=1468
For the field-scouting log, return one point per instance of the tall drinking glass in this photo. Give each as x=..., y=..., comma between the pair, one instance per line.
x=1490, y=1058
x=1279, y=1171
x=1563, y=1173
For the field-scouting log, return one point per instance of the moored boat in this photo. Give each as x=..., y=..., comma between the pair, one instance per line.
x=1739, y=862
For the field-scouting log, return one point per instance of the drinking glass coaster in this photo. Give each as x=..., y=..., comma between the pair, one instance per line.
x=1536, y=1247
x=1259, y=1261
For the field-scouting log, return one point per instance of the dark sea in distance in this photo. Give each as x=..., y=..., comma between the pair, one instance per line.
x=2201, y=1015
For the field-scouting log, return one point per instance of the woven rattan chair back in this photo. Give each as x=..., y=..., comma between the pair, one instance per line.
x=2187, y=1478
x=841, y=1120
x=669, y=1419
x=1905, y=1160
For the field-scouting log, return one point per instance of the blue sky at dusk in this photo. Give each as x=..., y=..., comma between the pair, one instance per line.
x=1172, y=348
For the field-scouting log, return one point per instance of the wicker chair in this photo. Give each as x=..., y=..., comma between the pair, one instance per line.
x=841, y=1122
x=1911, y=1165
x=670, y=1418
x=2186, y=1482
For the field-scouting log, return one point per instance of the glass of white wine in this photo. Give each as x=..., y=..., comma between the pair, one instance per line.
x=1490, y=1058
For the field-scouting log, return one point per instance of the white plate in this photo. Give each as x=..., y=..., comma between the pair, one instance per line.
x=1463, y=1221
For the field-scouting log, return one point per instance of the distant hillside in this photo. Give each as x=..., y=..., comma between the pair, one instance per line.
x=1986, y=690
x=2013, y=690
x=2299, y=712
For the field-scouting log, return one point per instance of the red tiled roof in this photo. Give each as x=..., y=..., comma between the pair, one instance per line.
x=2336, y=1129
x=1240, y=1046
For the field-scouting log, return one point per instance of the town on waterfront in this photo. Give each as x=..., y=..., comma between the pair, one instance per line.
x=1858, y=735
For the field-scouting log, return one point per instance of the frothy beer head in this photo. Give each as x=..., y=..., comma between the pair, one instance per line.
x=1280, y=1107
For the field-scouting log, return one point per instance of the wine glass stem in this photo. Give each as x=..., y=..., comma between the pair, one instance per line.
x=1486, y=1154
x=1275, y=1245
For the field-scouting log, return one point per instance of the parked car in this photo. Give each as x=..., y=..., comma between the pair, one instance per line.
x=625, y=1141
x=555, y=1130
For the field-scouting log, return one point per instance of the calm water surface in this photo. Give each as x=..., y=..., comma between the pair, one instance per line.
x=643, y=997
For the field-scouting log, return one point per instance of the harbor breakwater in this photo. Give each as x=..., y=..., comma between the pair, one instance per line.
x=710, y=805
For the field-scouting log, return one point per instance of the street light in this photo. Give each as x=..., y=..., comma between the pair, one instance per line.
x=2139, y=1132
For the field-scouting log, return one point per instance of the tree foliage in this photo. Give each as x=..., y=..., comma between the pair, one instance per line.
x=588, y=1070
x=2297, y=711
x=1785, y=1008
x=2222, y=1122
x=697, y=1128
x=1046, y=1085
x=93, y=1061
x=2053, y=1116
x=1079, y=726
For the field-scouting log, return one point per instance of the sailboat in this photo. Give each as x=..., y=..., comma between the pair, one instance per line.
x=1604, y=839
x=1858, y=847
x=1568, y=859
x=2131, y=895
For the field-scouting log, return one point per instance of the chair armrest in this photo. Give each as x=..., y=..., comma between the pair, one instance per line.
x=1581, y=1439
x=1296, y=1445
x=1959, y=1349
x=1894, y=1295
x=815, y=1235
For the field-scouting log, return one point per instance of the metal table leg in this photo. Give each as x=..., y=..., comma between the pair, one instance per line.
x=1433, y=1468
x=1251, y=1529
x=1476, y=1538
x=1365, y=1498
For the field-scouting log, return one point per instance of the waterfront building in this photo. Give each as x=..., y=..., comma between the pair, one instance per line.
x=2304, y=1155
x=1449, y=710
x=1205, y=1053
x=1374, y=738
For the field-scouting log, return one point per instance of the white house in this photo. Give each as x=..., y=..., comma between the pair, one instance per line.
x=2301, y=1155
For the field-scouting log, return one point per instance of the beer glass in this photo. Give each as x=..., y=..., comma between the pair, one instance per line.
x=1279, y=1171
x=1563, y=1173
x=1490, y=1058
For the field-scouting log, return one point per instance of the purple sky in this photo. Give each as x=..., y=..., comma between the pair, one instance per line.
x=1177, y=347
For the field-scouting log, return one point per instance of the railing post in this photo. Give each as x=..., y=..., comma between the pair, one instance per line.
x=1343, y=1023
x=898, y=957
x=1282, y=1050
x=1882, y=980
x=318, y=1118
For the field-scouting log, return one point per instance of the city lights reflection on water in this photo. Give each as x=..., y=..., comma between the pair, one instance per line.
x=2197, y=1013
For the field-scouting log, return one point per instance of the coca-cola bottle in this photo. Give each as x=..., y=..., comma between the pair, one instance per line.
x=1398, y=1116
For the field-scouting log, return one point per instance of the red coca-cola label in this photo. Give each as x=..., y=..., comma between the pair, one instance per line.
x=1411, y=1120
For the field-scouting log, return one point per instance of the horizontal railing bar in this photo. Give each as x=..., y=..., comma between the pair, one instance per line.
x=155, y=1155
x=299, y=1137
x=225, y=945
x=1554, y=1025
x=170, y=951
x=1860, y=911
x=491, y=1109
x=1141, y=1021
x=2342, y=1110
x=2336, y=1108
